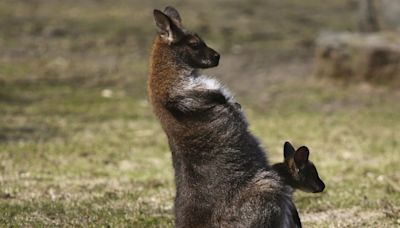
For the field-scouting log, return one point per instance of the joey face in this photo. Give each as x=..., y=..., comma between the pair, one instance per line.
x=309, y=180
x=188, y=47
x=303, y=172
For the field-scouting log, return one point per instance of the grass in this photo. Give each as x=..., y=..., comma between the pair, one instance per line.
x=72, y=157
x=79, y=145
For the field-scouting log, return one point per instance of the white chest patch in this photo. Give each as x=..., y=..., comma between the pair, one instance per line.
x=203, y=82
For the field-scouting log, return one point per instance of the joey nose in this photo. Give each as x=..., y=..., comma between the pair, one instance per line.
x=320, y=187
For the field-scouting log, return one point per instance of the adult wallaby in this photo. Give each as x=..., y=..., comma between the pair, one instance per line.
x=298, y=171
x=222, y=176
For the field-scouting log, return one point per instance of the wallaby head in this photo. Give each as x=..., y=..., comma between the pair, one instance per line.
x=301, y=172
x=187, y=47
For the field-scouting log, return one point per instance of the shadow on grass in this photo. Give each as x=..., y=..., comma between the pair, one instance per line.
x=27, y=133
x=11, y=99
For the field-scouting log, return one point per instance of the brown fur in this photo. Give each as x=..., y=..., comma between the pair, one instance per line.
x=162, y=78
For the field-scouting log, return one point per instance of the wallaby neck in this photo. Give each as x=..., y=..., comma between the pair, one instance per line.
x=166, y=71
x=165, y=62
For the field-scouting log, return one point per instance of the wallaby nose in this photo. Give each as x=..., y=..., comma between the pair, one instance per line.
x=216, y=56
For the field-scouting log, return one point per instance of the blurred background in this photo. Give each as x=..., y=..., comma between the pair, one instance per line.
x=79, y=144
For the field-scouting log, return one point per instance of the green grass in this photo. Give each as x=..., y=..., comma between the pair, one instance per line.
x=72, y=156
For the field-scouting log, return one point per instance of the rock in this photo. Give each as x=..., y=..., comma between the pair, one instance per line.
x=373, y=57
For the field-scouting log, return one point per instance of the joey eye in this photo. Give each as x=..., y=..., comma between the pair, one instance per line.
x=194, y=45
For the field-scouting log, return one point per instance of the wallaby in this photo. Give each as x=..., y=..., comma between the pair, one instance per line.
x=298, y=171
x=222, y=174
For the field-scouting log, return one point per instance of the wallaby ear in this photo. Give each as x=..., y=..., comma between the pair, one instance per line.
x=288, y=150
x=172, y=13
x=301, y=155
x=167, y=30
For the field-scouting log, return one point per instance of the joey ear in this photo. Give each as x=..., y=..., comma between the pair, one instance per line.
x=167, y=30
x=301, y=155
x=172, y=13
x=288, y=150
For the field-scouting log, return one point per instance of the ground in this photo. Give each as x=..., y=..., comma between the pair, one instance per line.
x=79, y=145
